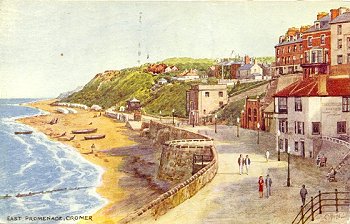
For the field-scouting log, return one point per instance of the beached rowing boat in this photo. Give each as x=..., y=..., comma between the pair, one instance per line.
x=85, y=131
x=23, y=132
x=66, y=138
x=90, y=137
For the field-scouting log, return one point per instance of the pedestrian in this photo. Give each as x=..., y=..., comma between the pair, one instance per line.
x=318, y=160
x=303, y=193
x=261, y=186
x=268, y=183
x=240, y=164
x=247, y=163
x=267, y=155
x=92, y=148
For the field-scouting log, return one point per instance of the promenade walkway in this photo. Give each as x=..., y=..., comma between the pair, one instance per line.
x=234, y=198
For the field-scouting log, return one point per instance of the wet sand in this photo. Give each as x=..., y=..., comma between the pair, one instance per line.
x=115, y=138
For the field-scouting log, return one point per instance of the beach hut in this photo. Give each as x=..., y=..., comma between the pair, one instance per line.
x=96, y=107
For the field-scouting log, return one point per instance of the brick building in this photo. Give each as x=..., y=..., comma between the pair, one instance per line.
x=202, y=100
x=317, y=47
x=340, y=41
x=227, y=69
x=252, y=115
x=289, y=51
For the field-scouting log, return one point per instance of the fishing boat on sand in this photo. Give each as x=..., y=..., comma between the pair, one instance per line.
x=91, y=137
x=23, y=132
x=66, y=138
x=85, y=131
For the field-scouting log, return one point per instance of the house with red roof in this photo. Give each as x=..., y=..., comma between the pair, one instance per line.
x=309, y=109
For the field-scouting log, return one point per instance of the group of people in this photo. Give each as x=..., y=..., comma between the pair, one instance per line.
x=243, y=162
x=321, y=161
x=268, y=184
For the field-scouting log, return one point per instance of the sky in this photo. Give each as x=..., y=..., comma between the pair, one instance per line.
x=49, y=47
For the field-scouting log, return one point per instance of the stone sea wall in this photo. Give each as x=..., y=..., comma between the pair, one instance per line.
x=162, y=134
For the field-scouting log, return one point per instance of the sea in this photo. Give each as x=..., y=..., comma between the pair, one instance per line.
x=58, y=184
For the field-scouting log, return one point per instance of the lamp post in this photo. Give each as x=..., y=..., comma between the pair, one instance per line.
x=238, y=127
x=258, y=126
x=160, y=116
x=173, y=112
x=288, y=176
x=278, y=145
x=216, y=116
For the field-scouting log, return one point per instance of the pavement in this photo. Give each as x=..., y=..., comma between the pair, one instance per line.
x=234, y=198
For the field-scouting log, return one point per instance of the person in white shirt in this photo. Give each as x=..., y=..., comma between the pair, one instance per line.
x=247, y=163
x=267, y=155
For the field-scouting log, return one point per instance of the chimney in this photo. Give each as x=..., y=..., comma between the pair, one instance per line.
x=334, y=13
x=322, y=85
x=246, y=59
x=320, y=15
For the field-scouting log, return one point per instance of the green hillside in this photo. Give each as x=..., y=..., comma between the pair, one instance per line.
x=114, y=88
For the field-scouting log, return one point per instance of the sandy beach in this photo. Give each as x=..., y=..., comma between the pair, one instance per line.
x=115, y=138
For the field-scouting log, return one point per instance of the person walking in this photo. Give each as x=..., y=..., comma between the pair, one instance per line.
x=268, y=183
x=247, y=163
x=303, y=193
x=267, y=154
x=240, y=164
x=261, y=186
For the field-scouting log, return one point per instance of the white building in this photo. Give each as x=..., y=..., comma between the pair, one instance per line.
x=309, y=109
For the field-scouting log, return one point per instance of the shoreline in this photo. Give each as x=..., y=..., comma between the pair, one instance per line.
x=107, y=165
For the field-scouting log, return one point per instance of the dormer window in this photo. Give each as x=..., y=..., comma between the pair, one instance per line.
x=317, y=25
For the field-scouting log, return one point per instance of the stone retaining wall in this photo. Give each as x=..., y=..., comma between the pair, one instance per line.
x=182, y=191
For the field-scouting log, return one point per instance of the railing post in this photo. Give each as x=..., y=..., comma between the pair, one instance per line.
x=319, y=201
x=336, y=200
x=202, y=160
x=312, y=208
x=302, y=214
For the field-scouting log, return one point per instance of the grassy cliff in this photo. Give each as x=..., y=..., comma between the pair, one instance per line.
x=113, y=88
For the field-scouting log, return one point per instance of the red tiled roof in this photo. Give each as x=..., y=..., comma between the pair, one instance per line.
x=310, y=87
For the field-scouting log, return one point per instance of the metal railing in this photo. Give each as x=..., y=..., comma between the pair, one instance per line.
x=326, y=199
x=200, y=161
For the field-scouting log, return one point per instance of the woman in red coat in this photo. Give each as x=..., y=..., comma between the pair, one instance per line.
x=261, y=186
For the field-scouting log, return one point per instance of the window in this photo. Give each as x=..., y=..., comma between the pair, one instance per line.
x=288, y=59
x=296, y=146
x=255, y=115
x=346, y=104
x=316, y=127
x=295, y=48
x=323, y=39
x=307, y=56
x=317, y=25
x=221, y=94
x=341, y=127
x=249, y=114
x=289, y=49
x=339, y=30
x=300, y=47
x=340, y=59
x=340, y=43
x=206, y=94
x=278, y=51
x=297, y=104
x=299, y=127
x=309, y=41
x=282, y=105
x=283, y=126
